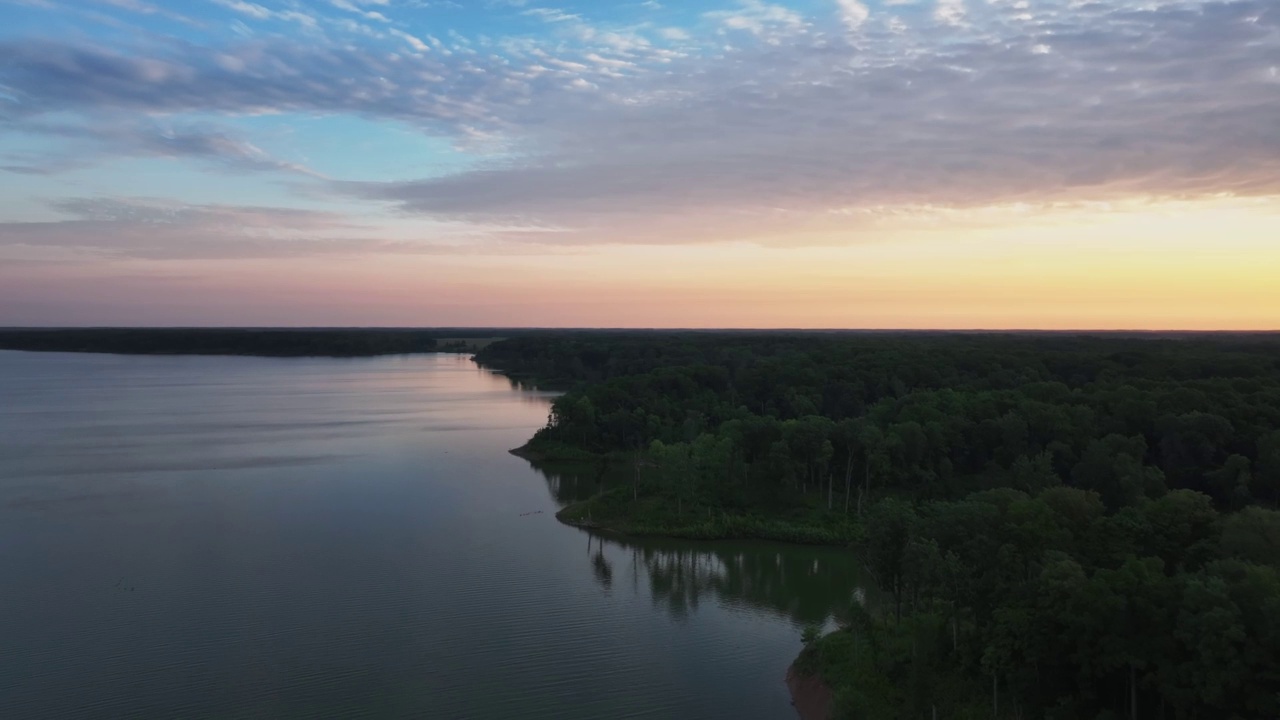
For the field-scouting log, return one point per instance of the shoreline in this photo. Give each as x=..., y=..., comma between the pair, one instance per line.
x=523, y=452
x=811, y=697
x=715, y=527
x=565, y=455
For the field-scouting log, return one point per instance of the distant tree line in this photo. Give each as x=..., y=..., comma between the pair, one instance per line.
x=1062, y=526
x=218, y=341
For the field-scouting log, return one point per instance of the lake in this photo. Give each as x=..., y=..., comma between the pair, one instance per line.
x=239, y=537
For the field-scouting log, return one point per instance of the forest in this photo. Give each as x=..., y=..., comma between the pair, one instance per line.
x=1061, y=526
x=224, y=341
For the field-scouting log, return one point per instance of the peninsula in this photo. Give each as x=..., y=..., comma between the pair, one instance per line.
x=1060, y=525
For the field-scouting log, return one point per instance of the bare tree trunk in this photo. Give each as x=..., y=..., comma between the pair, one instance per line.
x=830, y=482
x=995, y=695
x=897, y=600
x=848, y=477
x=728, y=465
x=866, y=483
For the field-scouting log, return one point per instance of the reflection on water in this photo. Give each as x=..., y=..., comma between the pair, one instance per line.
x=600, y=566
x=804, y=584
x=576, y=481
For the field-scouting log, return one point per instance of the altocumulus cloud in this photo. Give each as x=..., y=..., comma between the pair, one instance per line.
x=764, y=122
x=1072, y=104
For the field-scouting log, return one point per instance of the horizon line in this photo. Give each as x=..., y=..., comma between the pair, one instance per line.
x=566, y=328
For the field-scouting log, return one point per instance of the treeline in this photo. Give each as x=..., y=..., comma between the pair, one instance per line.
x=219, y=341
x=1083, y=526
x=744, y=421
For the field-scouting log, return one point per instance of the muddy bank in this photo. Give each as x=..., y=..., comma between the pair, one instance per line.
x=810, y=696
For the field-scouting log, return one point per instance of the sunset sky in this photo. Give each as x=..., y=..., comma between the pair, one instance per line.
x=690, y=163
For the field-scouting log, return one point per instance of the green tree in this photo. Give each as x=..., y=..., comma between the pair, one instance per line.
x=1183, y=529
x=1266, y=478
x=1113, y=467
x=1253, y=534
x=889, y=532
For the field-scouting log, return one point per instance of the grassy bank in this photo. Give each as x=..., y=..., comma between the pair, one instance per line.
x=658, y=515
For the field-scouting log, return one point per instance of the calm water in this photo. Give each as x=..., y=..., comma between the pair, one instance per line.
x=244, y=537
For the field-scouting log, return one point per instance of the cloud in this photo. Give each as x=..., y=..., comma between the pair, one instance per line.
x=1171, y=101
x=259, y=12
x=774, y=125
x=413, y=40
x=552, y=15
x=156, y=229
x=951, y=12
x=253, y=10
x=146, y=8
x=852, y=13
x=444, y=94
x=758, y=18
x=352, y=7
x=87, y=144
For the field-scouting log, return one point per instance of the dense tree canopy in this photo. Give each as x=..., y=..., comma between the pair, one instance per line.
x=1067, y=527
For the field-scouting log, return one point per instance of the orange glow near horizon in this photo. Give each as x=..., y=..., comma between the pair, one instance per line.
x=1207, y=265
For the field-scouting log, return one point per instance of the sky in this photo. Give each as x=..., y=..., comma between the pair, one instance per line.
x=967, y=164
